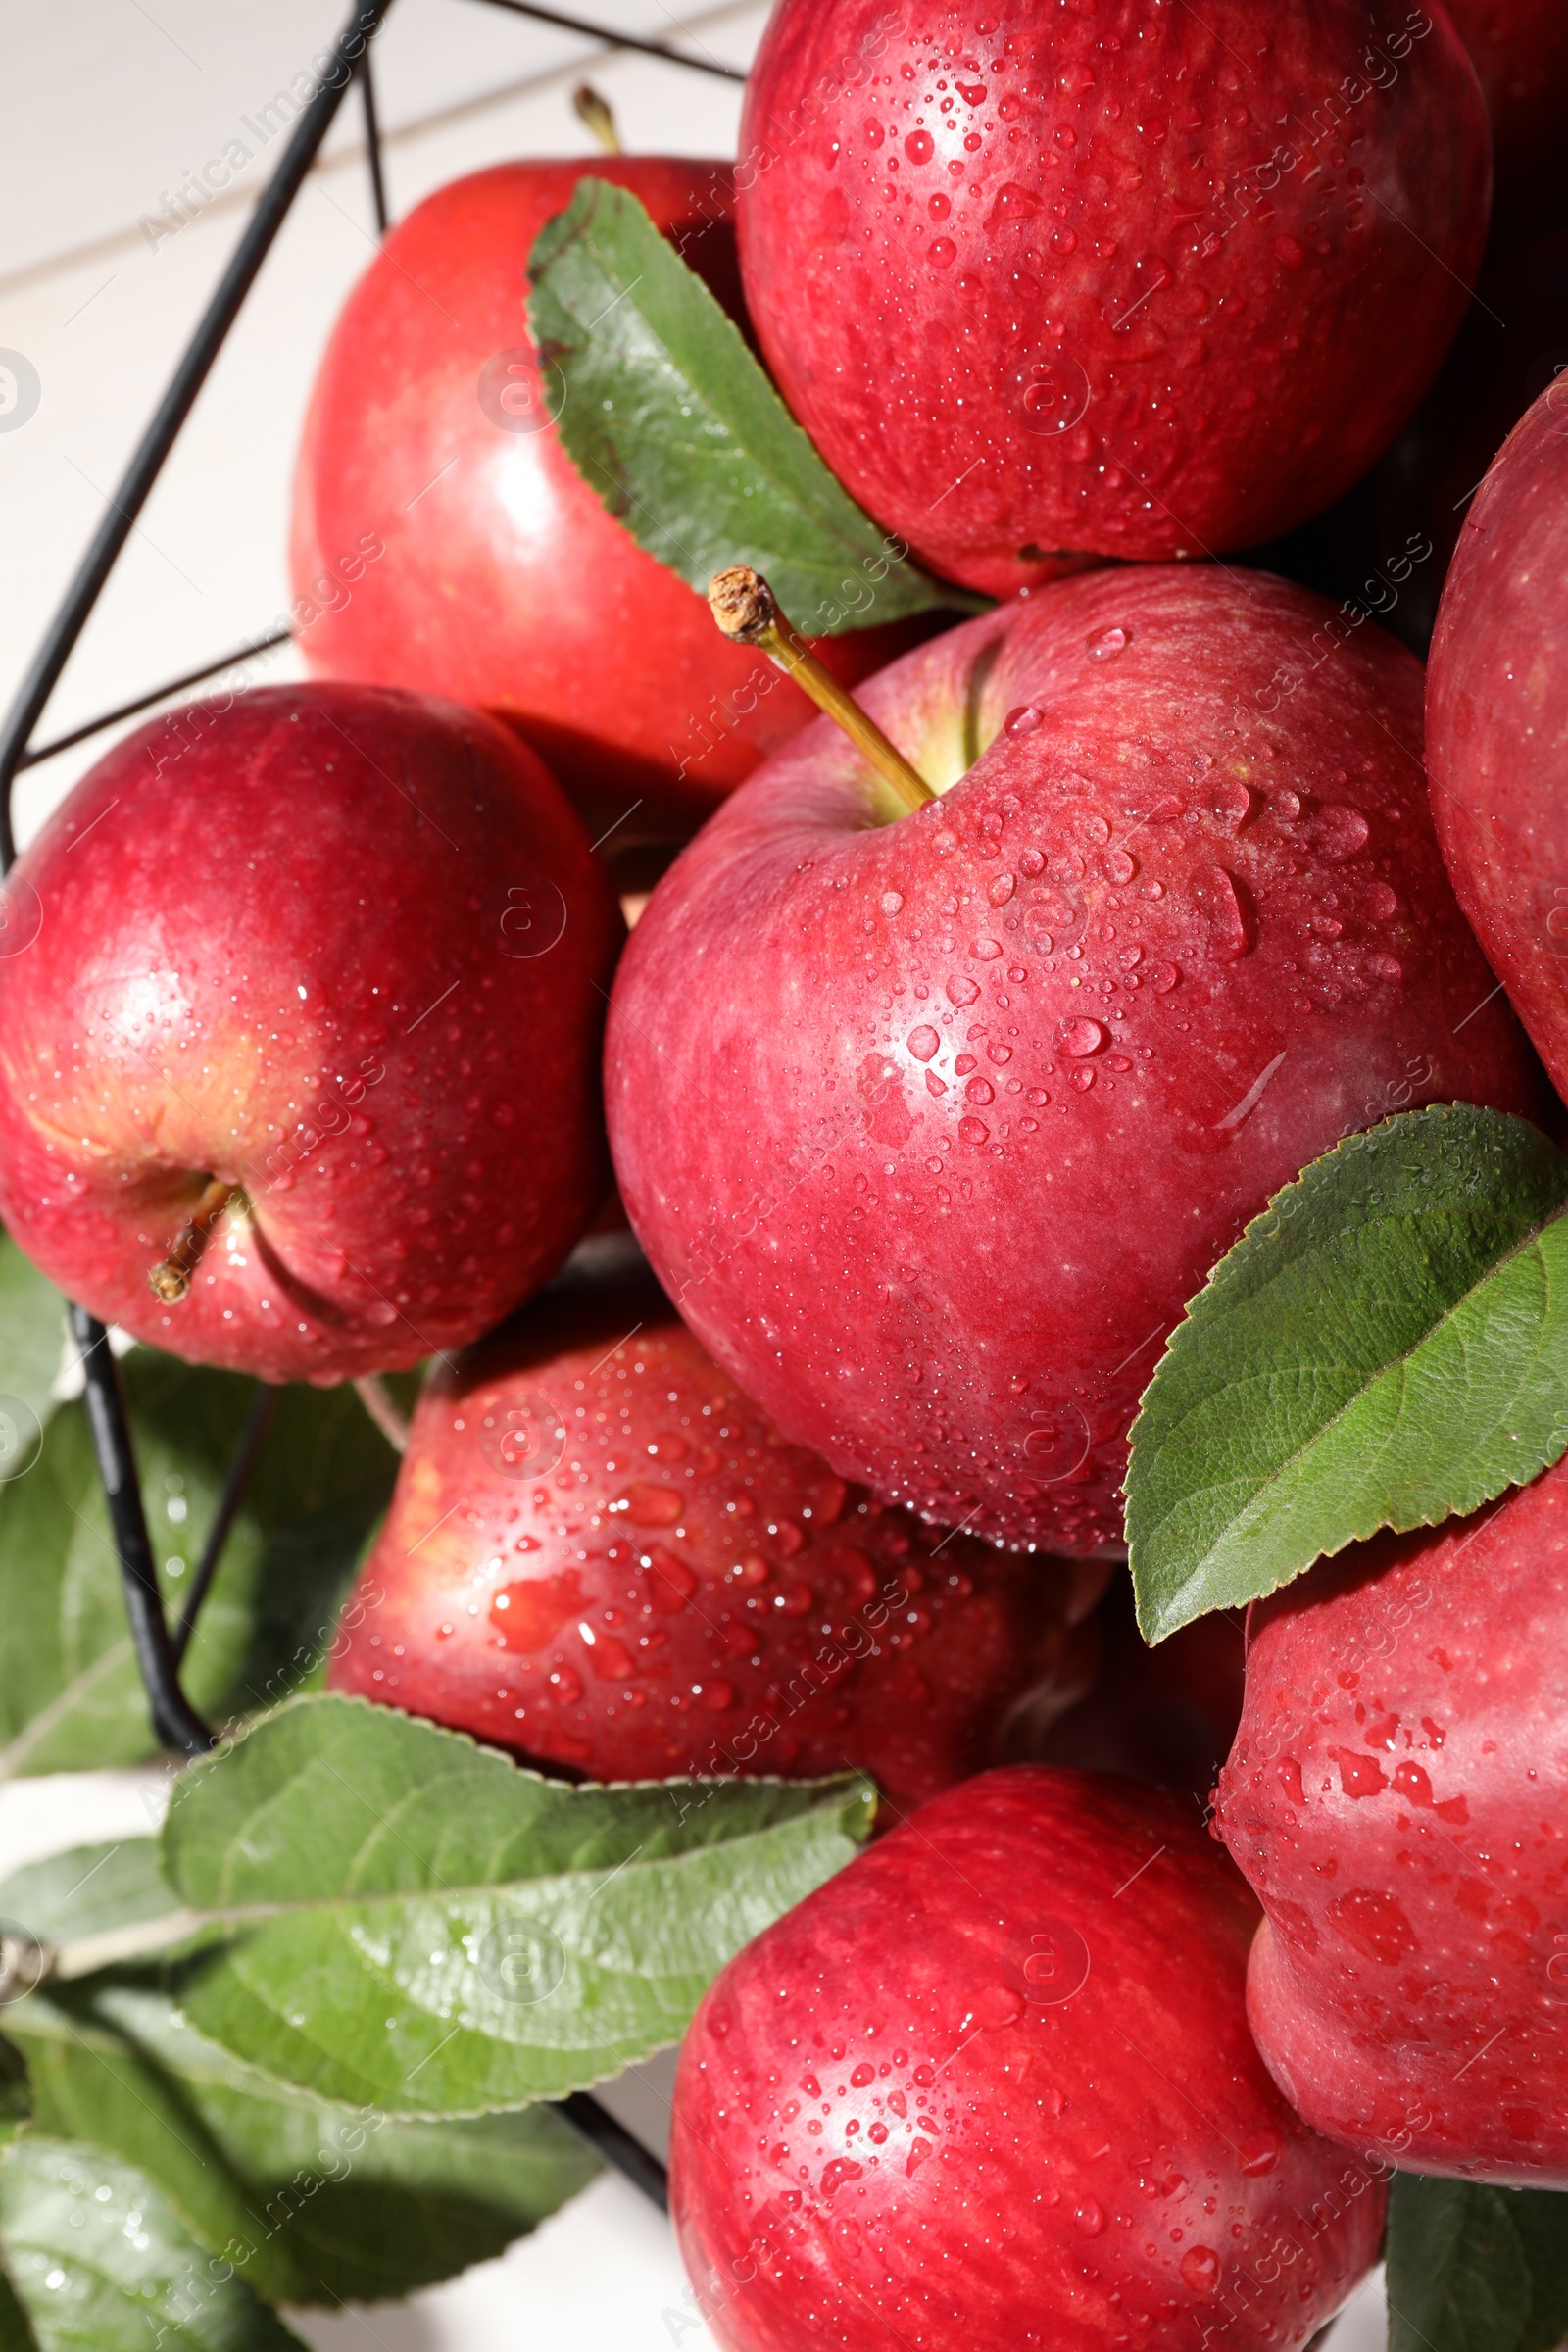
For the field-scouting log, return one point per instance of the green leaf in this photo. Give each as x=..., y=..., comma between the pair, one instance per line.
x=32, y=1340
x=673, y=423
x=16, y=2095
x=328, y=2204
x=99, y=2261
x=1384, y=1346
x=87, y=1892
x=414, y=1922
x=69, y=1694
x=1473, y=2269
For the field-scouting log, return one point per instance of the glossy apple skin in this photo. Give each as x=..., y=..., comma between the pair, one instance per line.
x=1074, y=303
x=1498, y=722
x=682, y=1591
x=1398, y=1795
x=506, y=582
x=933, y=1191
x=292, y=957
x=1519, y=49
x=992, y=2087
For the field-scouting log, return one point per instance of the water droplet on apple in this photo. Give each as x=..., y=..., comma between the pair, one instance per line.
x=962, y=991
x=1200, y=2268
x=1107, y=645
x=923, y=1042
x=1381, y=901
x=1089, y=2218
x=1082, y=1036
x=1216, y=899
x=942, y=252
x=1339, y=832
x=919, y=146
x=973, y=1131
x=892, y=901
x=1286, y=805
x=1385, y=968
x=1023, y=721
x=1118, y=866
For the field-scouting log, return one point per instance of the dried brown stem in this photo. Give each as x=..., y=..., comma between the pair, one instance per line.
x=596, y=113
x=170, y=1278
x=747, y=612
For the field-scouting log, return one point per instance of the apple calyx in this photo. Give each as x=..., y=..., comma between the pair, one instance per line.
x=171, y=1278
x=596, y=112
x=747, y=613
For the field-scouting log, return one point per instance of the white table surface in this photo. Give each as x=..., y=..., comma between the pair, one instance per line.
x=105, y=105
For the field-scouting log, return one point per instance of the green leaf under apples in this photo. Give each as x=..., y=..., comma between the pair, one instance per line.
x=415, y=1922
x=33, y=1342
x=328, y=2204
x=676, y=427
x=1473, y=2269
x=69, y=1694
x=96, y=2257
x=1386, y=1344
x=69, y=1898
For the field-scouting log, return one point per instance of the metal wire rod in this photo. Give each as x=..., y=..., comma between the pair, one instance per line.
x=145, y=702
x=372, y=145
x=615, y=2143
x=188, y=377
x=175, y=1722
x=619, y=40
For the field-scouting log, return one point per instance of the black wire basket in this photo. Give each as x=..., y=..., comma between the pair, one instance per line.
x=159, y=1646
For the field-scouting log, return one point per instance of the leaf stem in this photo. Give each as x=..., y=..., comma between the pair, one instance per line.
x=383, y=1408
x=747, y=612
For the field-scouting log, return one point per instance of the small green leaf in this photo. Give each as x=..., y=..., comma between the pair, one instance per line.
x=69, y=1694
x=326, y=2204
x=1473, y=2269
x=15, y=2095
x=1386, y=1344
x=87, y=1892
x=410, y=1921
x=32, y=1342
x=99, y=2261
x=673, y=423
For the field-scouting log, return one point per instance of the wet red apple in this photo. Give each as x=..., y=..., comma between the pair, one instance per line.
x=1520, y=50
x=1398, y=1795
x=503, y=580
x=1140, y=282
x=932, y=1128
x=1498, y=722
x=601, y=1554
x=992, y=2088
x=300, y=1007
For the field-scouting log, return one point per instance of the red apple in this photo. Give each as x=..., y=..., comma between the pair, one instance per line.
x=1520, y=50
x=1398, y=1795
x=1165, y=1716
x=1498, y=722
x=931, y=1129
x=344, y=950
x=992, y=2087
x=1143, y=282
x=601, y=1554
x=502, y=580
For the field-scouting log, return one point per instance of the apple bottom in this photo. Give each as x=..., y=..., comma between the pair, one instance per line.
x=1388, y=2103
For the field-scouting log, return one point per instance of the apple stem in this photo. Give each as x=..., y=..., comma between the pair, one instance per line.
x=383, y=1410
x=170, y=1278
x=595, y=112
x=746, y=610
